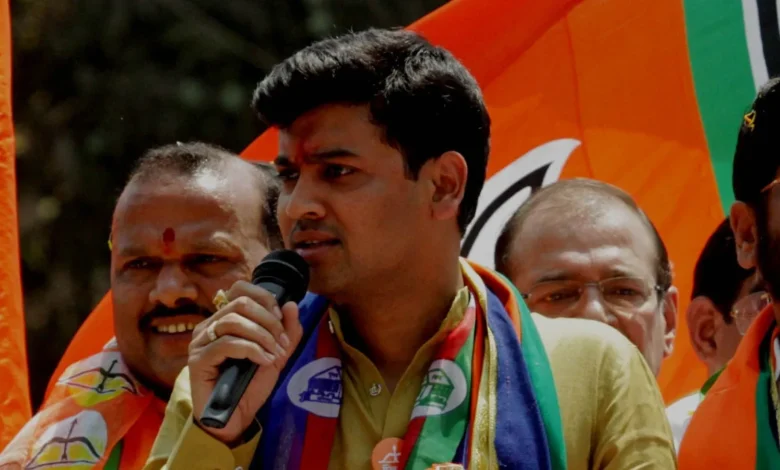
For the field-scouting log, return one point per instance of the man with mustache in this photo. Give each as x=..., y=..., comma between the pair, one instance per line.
x=192, y=219
x=408, y=356
x=736, y=425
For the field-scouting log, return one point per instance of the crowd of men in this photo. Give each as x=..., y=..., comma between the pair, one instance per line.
x=404, y=354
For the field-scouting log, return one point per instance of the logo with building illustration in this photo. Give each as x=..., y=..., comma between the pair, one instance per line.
x=98, y=378
x=78, y=442
x=443, y=389
x=317, y=388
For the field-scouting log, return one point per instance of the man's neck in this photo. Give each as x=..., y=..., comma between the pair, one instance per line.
x=390, y=328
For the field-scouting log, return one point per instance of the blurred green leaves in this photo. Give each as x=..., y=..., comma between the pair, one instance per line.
x=96, y=82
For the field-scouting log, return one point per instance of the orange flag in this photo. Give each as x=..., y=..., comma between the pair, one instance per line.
x=14, y=387
x=644, y=94
x=600, y=89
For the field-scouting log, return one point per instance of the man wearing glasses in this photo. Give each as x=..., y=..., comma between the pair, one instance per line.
x=582, y=248
x=724, y=302
x=736, y=425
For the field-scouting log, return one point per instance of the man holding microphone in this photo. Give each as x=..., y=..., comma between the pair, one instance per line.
x=408, y=356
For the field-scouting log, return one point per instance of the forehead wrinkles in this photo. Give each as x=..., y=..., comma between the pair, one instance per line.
x=330, y=125
x=174, y=202
x=582, y=227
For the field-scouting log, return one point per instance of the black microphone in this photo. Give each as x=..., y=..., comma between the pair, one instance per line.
x=285, y=274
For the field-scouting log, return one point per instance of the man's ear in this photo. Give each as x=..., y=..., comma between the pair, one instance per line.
x=670, y=319
x=703, y=323
x=448, y=174
x=743, y=224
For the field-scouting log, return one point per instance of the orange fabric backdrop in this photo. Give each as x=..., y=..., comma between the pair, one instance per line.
x=567, y=81
x=14, y=385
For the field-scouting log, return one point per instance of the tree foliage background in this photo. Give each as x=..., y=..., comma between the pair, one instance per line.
x=96, y=82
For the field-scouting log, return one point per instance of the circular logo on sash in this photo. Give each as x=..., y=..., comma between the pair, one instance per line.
x=443, y=389
x=316, y=387
x=78, y=442
x=98, y=378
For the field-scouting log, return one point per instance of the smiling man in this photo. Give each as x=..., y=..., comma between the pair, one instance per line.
x=191, y=220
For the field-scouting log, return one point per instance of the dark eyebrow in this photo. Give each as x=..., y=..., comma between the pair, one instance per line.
x=284, y=160
x=133, y=251
x=553, y=276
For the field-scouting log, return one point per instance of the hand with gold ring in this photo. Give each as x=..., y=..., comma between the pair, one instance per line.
x=211, y=332
x=247, y=325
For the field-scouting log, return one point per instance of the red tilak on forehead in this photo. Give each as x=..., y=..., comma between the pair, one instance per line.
x=168, y=237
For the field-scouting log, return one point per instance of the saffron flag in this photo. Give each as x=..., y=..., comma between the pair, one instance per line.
x=15, y=408
x=644, y=94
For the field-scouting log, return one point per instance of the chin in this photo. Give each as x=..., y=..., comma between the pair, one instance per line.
x=165, y=377
x=327, y=286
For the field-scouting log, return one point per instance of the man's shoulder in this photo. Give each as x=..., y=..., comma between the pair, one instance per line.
x=587, y=336
x=587, y=351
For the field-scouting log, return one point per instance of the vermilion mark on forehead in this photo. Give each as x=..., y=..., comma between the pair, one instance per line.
x=299, y=152
x=168, y=237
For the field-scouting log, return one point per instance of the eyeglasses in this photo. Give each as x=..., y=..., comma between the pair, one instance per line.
x=771, y=185
x=746, y=309
x=620, y=293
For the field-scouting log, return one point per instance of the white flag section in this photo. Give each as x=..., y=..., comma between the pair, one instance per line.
x=507, y=190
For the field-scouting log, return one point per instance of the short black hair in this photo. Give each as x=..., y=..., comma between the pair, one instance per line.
x=573, y=190
x=717, y=275
x=187, y=159
x=423, y=99
x=756, y=158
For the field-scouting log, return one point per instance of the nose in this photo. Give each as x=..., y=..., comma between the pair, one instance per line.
x=592, y=307
x=172, y=285
x=303, y=202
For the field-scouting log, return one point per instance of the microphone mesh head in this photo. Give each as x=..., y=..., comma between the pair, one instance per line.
x=286, y=267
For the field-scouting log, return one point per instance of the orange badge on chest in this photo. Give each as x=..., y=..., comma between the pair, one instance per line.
x=387, y=454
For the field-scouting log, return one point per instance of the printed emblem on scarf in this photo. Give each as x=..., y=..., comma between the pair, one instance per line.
x=317, y=387
x=78, y=442
x=443, y=389
x=98, y=378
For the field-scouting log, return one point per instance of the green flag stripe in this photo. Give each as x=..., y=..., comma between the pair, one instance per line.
x=722, y=75
x=441, y=434
x=116, y=456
